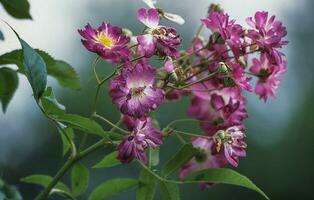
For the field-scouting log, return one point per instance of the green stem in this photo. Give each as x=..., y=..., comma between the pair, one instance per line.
x=181, y=139
x=45, y=193
x=67, y=165
x=164, y=179
x=191, y=134
x=94, y=68
x=181, y=120
x=159, y=177
x=190, y=54
x=199, y=30
x=110, y=123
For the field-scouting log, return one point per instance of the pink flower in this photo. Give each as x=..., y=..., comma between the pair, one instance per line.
x=219, y=108
x=268, y=76
x=142, y=136
x=229, y=31
x=239, y=77
x=133, y=90
x=268, y=34
x=107, y=41
x=168, y=66
x=232, y=144
x=204, y=160
x=175, y=95
x=164, y=39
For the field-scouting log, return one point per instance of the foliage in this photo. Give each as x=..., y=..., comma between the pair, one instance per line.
x=137, y=89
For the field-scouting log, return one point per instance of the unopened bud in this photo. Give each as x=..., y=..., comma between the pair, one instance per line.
x=214, y=7
x=223, y=68
x=127, y=32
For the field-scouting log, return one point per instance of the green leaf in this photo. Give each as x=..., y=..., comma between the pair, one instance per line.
x=226, y=176
x=8, y=85
x=34, y=67
x=109, y=160
x=9, y=192
x=65, y=143
x=65, y=74
x=44, y=180
x=1, y=36
x=53, y=108
x=60, y=70
x=13, y=57
x=154, y=157
x=169, y=191
x=147, y=186
x=185, y=154
x=82, y=123
x=112, y=187
x=17, y=8
x=79, y=179
x=50, y=104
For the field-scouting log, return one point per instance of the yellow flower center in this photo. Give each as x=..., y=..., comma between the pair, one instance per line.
x=105, y=40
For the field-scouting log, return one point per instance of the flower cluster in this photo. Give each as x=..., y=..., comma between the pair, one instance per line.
x=213, y=72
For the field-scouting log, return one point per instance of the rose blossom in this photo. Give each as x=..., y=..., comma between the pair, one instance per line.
x=142, y=136
x=133, y=90
x=268, y=76
x=107, y=41
x=164, y=39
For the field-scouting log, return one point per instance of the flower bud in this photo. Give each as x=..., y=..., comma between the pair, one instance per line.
x=214, y=7
x=223, y=68
x=127, y=32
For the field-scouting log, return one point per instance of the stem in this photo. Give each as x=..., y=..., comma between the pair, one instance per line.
x=200, y=80
x=108, y=77
x=67, y=165
x=184, y=120
x=44, y=194
x=199, y=30
x=159, y=177
x=94, y=68
x=181, y=139
x=134, y=45
x=134, y=59
x=190, y=54
x=110, y=123
x=190, y=134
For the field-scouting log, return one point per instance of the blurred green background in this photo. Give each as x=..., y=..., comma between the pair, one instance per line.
x=280, y=133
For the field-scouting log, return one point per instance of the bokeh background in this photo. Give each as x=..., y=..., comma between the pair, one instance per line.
x=280, y=133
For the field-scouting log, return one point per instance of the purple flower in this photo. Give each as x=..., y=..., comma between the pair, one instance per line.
x=232, y=144
x=133, y=91
x=107, y=41
x=239, y=77
x=168, y=66
x=268, y=76
x=164, y=39
x=142, y=136
x=205, y=159
x=229, y=31
x=219, y=108
x=268, y=34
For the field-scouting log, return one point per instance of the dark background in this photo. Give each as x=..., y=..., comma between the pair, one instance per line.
x=280, y=133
